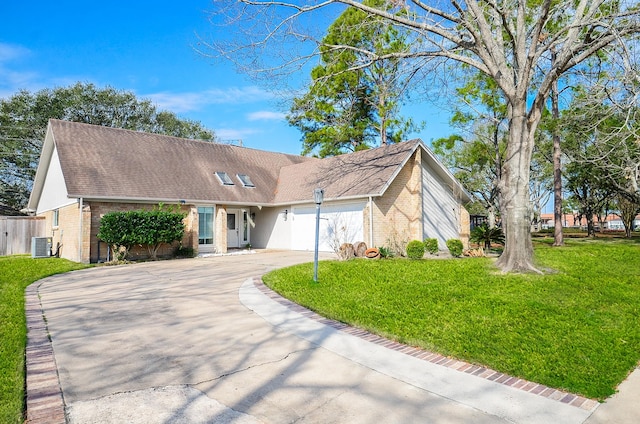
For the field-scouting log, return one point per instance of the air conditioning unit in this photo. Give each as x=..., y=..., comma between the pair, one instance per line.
x=41, y=247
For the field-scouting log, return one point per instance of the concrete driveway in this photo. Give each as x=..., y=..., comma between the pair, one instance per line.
x=194, y=341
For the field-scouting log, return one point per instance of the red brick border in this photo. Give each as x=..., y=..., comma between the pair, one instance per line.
x=45, y=404
x=482, y=372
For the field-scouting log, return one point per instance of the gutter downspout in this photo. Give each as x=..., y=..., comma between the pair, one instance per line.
x=81, y=201
x=370, y=222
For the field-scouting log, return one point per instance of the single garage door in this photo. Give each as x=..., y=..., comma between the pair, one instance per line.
x=338, y=224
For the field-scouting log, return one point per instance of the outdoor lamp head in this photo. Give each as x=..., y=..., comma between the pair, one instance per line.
x=318, y=194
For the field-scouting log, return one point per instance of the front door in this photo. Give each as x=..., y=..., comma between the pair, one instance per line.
x=237, y=228
x=233, y=228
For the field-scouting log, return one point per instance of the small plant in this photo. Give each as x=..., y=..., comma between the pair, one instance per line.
x=455, y=247
x=482, y=234
x=397, y=242
x=185, y=252
x=415, y=249
x=431, y=246
x=385, y=252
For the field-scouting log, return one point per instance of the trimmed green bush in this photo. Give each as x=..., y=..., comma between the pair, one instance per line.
x=455, y=247
x=160, y=226
x=118, y=230
x=415, y=249
x=431, y=245
x=150, y=228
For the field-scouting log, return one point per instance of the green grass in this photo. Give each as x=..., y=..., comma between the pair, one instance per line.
x=16, y=273
x=575, y=329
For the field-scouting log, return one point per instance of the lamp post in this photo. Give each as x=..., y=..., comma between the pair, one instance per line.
x=318, y=194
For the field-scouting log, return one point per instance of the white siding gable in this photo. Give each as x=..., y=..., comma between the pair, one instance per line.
x=440, y=210
x=54, y=192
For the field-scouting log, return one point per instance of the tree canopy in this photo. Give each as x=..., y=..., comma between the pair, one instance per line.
x=522, y=47
x=348, y=107
x=25, y=115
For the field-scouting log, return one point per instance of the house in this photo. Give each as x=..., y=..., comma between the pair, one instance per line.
x=234, y=196
x=611, y=222
x=614, y=222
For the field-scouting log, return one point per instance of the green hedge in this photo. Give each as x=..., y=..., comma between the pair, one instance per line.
x=149, y=228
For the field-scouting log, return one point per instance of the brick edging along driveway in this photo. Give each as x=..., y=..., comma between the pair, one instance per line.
x=476, y=370
x=44, y=400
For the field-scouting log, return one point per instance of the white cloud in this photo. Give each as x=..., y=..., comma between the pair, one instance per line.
x=10, y=52
x=190, y=101
x=266, y=115
x=12, y=80
x=232, y=134
x=177, y=102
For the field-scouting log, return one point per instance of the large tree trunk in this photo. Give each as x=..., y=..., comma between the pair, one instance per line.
x=558, y=236
x=514, y=192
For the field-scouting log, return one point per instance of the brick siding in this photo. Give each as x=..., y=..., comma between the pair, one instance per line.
x=397, y=214
x=65, y=236
x=220, y=233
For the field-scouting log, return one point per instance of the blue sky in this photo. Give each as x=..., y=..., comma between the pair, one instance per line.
x=149, y=48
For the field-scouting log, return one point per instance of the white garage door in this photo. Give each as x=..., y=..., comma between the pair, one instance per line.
x=338, y=224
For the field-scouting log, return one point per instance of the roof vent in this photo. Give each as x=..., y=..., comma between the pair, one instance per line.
x=245, y=180
x=224, y=178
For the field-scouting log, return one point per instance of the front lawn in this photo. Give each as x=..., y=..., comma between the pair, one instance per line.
x=576, y=329
x=16, y=273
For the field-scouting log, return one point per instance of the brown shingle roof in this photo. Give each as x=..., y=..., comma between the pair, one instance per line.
x=107, y=163
x=358, y=174
x=103, y=162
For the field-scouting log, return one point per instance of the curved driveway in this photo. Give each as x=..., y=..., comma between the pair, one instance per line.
x=172, y=342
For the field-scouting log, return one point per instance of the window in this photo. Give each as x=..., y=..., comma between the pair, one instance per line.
x=224, y=178
x=205, y=225
x=245, y=180
x=56, y=217
x=231, y=221
x=245, y=226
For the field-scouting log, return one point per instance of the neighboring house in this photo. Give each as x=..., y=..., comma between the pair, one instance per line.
x=614, y=222
x=611, y=222
x=235, y=196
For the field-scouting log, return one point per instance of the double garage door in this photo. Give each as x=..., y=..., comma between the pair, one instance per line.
x=338, y=224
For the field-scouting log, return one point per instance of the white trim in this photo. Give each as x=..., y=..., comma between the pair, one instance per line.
x=81, y=222
x=206, y=248
x=43, y=169
x=71, y=202
x=371, y=222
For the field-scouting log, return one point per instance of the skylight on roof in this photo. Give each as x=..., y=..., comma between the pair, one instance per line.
x=245, y=180
x=224, y=178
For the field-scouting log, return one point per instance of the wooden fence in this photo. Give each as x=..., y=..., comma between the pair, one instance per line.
x=16, y=233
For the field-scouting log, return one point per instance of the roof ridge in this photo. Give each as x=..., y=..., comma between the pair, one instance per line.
x=196, y=140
